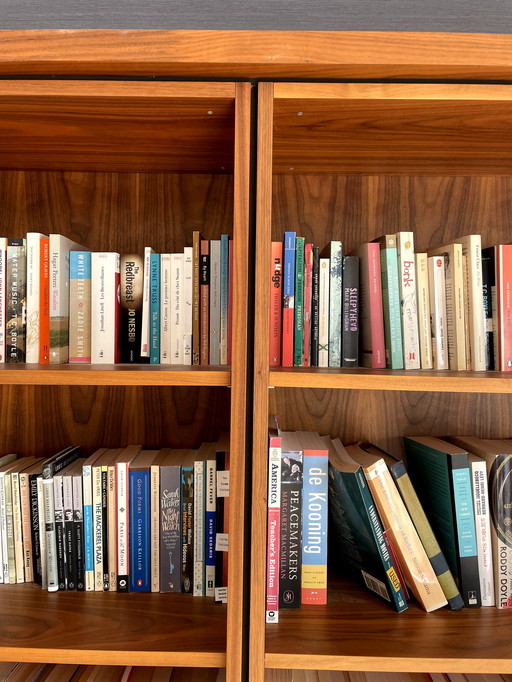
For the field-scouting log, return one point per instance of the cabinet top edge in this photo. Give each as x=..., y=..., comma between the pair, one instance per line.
x=256, y=54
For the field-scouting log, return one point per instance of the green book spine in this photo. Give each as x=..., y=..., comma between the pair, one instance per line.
x=298, y=337
x=391, y=302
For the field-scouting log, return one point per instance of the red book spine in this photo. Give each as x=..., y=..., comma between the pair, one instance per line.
x=273, y=529
x=276, y=302
x=44, y=300
x=308, y=290
x=375, y=302
x=504, y=305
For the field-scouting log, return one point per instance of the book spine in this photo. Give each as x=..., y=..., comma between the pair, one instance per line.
x=315, y=311
x=214, y=301
x=423, y=301
x=391, y=302
x=170, y=529
x=187, y=529
x=140, y=528
x=298, y=331
x=472, y=250
x=69, y=532
x=466, y=293
x=16, y=297
x=314, y=528
x=276, y=298
x=204, y=294
x=483, y=531
x=504, y=305
x=104, y=528
x=42, y=532
x=335, y=303
x=273, y=528
x=28, y=552
x=154, y=473
x=3, y=297
x=290, y=536
x=105, y=281
x=35, y=521
x=187, y=305
x=308, y=292
x=44, y=301
x=52, y=575
x=97, y=520
x=408, y=300
x=80, y=307
x=438, y=320
x=199, y=529
x=4, y=568
x=177, y=309
x=288, y=299
x=323, y=313
x=146, y=299
x=154, y=309
x=19, y=558
x=499, y=470
x=88, y=528
x=122, y=520
x=211, y=525
x=230, y=300
x=165, y=309
x=196, y=297
x=130, y=312
x=371, y=318
x=11, y=558
x=350, y=312
x=224, y=296
x=487, y=283
x=33, y=249
x=78, y=531
x=112, y=528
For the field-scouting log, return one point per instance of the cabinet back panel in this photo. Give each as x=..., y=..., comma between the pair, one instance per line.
x=117, y=211
x=384, y=417
x=357, y=209
x=40, y=420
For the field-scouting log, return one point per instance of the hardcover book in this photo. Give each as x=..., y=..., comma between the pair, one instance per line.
x=371, y=316
x=350, y=312
x=132, y=285
x=276, y=301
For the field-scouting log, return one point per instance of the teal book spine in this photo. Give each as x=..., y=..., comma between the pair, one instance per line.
x=335, y=302
x=154, y=309
x=391, y=302
x=298, y=337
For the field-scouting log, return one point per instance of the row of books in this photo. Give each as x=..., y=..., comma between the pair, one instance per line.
x=122, y=519
x=60, y=302
x=435, y=527
x=386, y=305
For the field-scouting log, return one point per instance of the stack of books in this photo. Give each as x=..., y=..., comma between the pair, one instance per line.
x=387, y=305
x=122, y=519
x=60, y=302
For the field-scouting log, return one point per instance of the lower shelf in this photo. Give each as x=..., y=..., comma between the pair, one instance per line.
x=357, y=631
x=110, y=628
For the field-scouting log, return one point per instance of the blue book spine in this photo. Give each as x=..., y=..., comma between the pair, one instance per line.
x=224, y=295
x=154, y=309
x=140, y=531
x=314, y=527
x=288, y=299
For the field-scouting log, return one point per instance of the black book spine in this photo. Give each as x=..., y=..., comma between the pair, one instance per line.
x=59, y=532
x=290, y=537
x=34, y=529
x=170, y=529
x=487, y=284
x=315, y=311
x=16, y=297
x=187, y=526
x=69, y=537
x=350, y=312
x=131, y=294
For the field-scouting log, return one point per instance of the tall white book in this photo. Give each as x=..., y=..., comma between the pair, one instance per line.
x=483, y=528
x=323, y=313
x=33, y=294
x=187, y=304
x=436, y=283
x=423, y=302
x=105, y=279
x=144, y=340
x=165, y=309
x=408, y=299
x=177, y=316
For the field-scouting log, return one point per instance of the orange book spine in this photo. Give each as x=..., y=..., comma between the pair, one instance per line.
x=44, y=301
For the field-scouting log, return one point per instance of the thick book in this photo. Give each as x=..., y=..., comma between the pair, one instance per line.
x=204, y=299
x=350, y=312
x=323, y=312
x=298, y=330
x=60, y=248
x=438, y=320
x=131, y=293
x=501, y=256
x=33, y=246
x=276, y=299
x=411, y=555
x=273, y=528
x=371, y=316
x=288, y=316
x=170, y=520
x=424, y=313
x=105, y=278
x=391, y=301
x=80, y=307
x=487, y=288
x=356, y=535
x=154, y=308
x=314, y=518
x=335, y=254
x=290, y=523
x=123, y=516
x=497, y=455
x=408, y=299
x=16, y=295
x=422, y=525
x=441, y=475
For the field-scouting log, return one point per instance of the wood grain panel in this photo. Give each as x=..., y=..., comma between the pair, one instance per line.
x=44, y=419
x=112, y=629
x=264, y=54
x=357, y=209
x=104, y=125
x=385, y=417
x=117, y=211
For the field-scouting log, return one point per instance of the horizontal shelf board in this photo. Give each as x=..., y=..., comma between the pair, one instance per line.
x=357, y=631
x=114, y=629
x=392, y=380
x=114, y=375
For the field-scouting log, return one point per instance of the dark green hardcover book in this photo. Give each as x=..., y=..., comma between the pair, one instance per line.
x=441, y=475
x=356, y=536
x=298, y=336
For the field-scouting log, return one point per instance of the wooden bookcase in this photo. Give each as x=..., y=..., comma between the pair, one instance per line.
x=119, y=165
x=353, y=161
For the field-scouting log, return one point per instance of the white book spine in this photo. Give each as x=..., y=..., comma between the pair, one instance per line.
x=97, y=520
x=33, y=302
x=187, y=304
x=123, y=565
x=423, y=301
x=3, y=279
x=51, y=539
x=155, y=527
x=199, y=529
x=408, y=299
x=177, y=311
x=4, y=567
x=323, y=316
x=483, y=529
x=42, y=533
x=88, y=527
x=111, y=529
x=105, y=271
x=144, y=342
x=165, y=309
x=17, y=528
x=467, y=335
x=472, y=249
x=436, y=281
x=273, y=529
